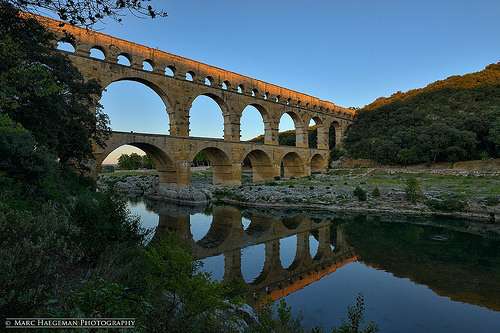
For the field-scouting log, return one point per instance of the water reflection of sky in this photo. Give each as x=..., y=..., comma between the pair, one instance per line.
x=396, y=304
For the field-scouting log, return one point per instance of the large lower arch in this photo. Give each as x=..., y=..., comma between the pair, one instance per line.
x=223, y=170
x=293, y=166
x=318, y=162
x=262, y=166
x=163, y=163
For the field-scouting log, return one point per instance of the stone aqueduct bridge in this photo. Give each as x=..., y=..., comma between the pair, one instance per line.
x=173, y=153
x=228, y=237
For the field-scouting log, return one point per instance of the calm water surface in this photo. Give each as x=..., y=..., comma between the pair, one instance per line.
x=414, y=277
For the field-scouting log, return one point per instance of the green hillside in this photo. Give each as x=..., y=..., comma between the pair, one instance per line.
x=449, y=120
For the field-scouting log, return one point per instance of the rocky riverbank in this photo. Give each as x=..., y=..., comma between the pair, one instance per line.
x=471, y=194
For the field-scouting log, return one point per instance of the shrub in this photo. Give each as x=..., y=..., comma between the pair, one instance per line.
x=335, y=154
x=492, y=200
x=450, y=204
x=355, y=316
x=376, y=192
x=98, y=298
x=35, y=247
x=412, y=190
x=104, y=220
x=164, y=273
x=108, y=168
x=360, y=193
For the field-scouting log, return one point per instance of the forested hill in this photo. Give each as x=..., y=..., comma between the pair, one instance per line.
x=450, y=120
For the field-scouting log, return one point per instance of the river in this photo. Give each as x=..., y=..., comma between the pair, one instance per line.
x=416, y=274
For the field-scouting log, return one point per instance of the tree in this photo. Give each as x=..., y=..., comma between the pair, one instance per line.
x=41, y=90
x=89, y=12
x=147, y=162
x=494, y=134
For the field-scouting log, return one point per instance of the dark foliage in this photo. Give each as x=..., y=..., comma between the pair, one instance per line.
x=41, y=90
x=448, y=121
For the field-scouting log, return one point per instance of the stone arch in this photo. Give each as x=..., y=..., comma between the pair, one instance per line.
x=288, y=250
x=291, y=223
x=190, y=76
x=317, y=136
x=259, y=225
x=300, y=129
x=318, y=162
x=163, y=96
x=209, y=81
x=218, y=233
x=266, y=120
x=66, y=45
x=170, y=70
x=301, y=252
x=293, y=166
x=163, y=163
x=148, y=65
x=100, y=49
x=334, y=134
x=127, y=56
x=315, y=250
x=226, y=126
x=221, y=165
x=259, y=255
x=262, y=165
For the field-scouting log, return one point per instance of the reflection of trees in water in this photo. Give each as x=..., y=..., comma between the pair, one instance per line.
x=460, y=265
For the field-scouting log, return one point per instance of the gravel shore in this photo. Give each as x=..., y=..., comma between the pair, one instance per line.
x=470, y=194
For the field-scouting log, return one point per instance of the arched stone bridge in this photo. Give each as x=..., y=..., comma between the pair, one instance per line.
x=178, y=82
x=227, y=236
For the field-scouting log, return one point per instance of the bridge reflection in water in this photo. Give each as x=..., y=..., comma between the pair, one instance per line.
x=228, y=236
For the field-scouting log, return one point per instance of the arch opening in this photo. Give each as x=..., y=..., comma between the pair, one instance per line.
x=219, y=164
x=190, y=76
x=293, y=166
x=97, y=53
x=334, y=134
x=288, y=250
x=140, y=155
x=65, y=46
x=206, y=117
x=318, y=162
x=147, y=65
x=170, y=70
x=312, y=133
x=252, y=262
x=124, y=60
x=287, y=129
x=314, y=245
x=135, y=106
x=253, y=123
x=226, y=85
x=259, y=165
x=258, y=226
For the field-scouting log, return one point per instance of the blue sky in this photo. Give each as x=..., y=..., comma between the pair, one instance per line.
x=348, y=52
